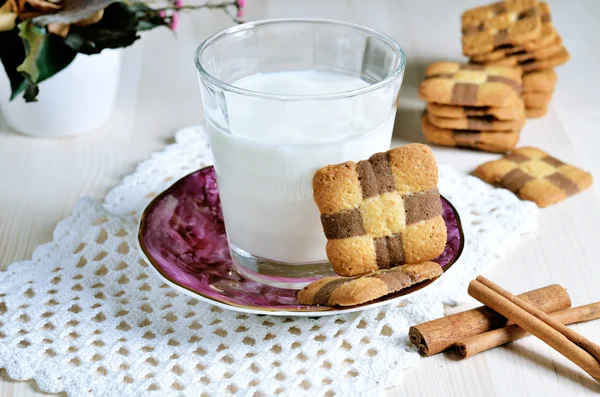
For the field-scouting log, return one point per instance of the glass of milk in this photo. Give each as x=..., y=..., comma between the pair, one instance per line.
x=283, y=98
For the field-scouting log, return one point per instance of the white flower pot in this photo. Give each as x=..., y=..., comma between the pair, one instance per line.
x=76, y=100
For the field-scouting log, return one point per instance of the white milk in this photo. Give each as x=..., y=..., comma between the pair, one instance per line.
x=265, y=166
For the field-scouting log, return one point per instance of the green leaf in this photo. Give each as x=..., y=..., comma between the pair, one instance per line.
x=12, y=54
x=46, y=55
x=34, y=38
x=117, y=28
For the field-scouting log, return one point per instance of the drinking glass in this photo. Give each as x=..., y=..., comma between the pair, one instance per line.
x=283, y=98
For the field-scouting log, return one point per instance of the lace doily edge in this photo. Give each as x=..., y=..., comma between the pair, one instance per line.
x=85, y=212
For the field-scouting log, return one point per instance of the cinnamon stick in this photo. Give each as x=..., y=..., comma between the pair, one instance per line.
x=498, y=337
x=564, y=340
x=435, y=336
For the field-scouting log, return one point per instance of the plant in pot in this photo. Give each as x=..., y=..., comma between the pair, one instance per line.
x=62, y=58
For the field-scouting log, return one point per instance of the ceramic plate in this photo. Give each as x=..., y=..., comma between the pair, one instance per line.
x=182, y=236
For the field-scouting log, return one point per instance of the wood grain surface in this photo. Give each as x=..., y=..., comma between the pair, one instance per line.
x=40, y=179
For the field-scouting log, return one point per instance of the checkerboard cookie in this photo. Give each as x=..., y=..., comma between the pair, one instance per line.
x=534, y=113
x=534, y=175
x=522, y=58
x=502, y=9
x=452, y=83
x=515, y=111
x=540, y=54
x=554, y=61
x=487, y=141
x=350, y=291
x=548, y=32
x=539, y=81
x=511, y=22
x=382, y=212
x=547, y=51
x=548, y=35
x=537, y=99
x=476, y=123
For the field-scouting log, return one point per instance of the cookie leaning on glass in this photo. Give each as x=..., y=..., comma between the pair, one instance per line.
x=382, y=212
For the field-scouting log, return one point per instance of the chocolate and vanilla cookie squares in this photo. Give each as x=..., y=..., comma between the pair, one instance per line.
x=534, y=54
x=488, y=141
x=350, y=291
x=452, y=83
x=499, y=24
x=382, y=212
x=472, y=106
x=547, y=35
x=476, y=123
x=547, y=43
x=514, y=112
x=534, y=175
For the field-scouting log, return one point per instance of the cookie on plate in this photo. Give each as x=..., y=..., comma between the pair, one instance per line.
x=476, y=123
x=534, y=175
x=453, y=83
x=511, y=22
x=515, y=111
x=350, y=291
x=496, y=142
x=382, y=212
x=539, y=81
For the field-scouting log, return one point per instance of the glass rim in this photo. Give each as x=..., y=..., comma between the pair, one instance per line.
x=205, y=75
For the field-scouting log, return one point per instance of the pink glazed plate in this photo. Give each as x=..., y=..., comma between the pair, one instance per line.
x=182, y=236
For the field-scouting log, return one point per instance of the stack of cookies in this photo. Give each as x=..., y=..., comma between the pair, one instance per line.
x=472, y=106
x=517, y=33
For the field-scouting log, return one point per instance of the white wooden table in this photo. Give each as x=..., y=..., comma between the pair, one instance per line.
x=40, y=179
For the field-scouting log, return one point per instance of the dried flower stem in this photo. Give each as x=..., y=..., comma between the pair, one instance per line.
x=210, y=6
x=197, y=7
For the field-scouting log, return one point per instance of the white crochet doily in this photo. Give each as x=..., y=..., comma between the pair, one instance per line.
x=87, y=316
